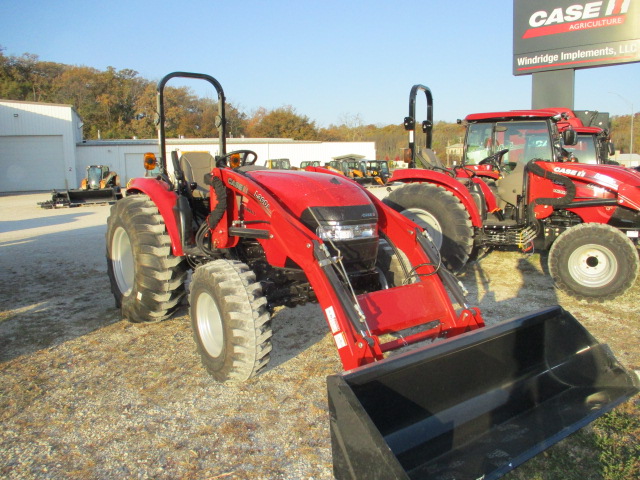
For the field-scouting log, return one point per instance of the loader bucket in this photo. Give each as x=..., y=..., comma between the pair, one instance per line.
x=474, y=406
x=82, y=197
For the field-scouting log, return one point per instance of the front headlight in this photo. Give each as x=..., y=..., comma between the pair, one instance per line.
x=347, y=232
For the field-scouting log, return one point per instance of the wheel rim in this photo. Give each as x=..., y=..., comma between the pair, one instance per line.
x=122, y=261
x=209, y=323
x=593, y=265
x=427, y=221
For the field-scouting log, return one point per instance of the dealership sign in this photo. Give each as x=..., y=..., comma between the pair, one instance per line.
x=568, y=34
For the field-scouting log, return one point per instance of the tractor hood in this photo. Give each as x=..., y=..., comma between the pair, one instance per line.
x=608, y=176
x=335, y=208
x=623, y=181
x=298, y=191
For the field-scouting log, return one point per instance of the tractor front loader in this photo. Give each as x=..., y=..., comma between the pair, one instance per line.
x=257, y=238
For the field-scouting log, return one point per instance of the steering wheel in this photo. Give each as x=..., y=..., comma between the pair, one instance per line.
x=495, y=160
x=237, y=158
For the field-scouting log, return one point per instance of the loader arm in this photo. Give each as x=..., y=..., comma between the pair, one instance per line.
x=356, y=323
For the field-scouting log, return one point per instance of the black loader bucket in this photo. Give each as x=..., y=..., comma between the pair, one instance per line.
x=474, y=406
x=82, y=197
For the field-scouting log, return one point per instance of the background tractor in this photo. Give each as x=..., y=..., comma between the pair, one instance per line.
x=278, y=163
x=356, y=169
x=257, y=238
x=519, y=186
x=100, y=185
x=378, y=169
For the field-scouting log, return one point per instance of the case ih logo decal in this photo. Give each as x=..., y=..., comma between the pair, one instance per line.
x=238, y=185
x=570, y=171
x=581, y=16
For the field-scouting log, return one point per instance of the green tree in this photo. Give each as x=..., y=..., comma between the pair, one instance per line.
x=282, y=122
x=621, y=132
x=120, y=104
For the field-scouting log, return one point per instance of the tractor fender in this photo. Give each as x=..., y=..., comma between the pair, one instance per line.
x=166, y=200
x=410, y=175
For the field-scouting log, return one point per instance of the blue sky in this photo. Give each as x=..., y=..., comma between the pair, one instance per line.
x=331, y=60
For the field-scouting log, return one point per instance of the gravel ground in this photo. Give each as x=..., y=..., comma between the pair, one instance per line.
x=84, y=394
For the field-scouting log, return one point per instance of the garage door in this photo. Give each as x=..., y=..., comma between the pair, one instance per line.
x=31, y=163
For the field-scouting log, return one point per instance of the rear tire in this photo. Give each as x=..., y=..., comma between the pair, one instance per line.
x=442, y=215
x=147, y=280
x=593, y=261
x=230, y=321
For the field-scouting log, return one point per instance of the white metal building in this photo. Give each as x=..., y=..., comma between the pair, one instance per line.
x=38, y=146
x=41, y=148
x=125, y=156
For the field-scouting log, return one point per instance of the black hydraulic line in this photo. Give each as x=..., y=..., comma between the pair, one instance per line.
x=221, y=196
x=569, y=195
x=445, y=275
x=346, y=301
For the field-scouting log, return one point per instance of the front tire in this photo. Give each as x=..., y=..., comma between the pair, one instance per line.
x=593, y=261
x=442, y=215
x=147, y=280
x=231, y=325
x=393, y=267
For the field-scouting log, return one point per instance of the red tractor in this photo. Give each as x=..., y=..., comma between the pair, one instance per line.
x=256, y=238
x=518, y=186
x=593, y=143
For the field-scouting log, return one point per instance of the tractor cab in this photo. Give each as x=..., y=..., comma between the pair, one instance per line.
x=278, y=164
x=313, y=163
x=378, y=168
x=95, y=175
x=498, y=146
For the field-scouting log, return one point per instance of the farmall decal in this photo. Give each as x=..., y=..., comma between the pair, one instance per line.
x=261, y=199
x=577, y=17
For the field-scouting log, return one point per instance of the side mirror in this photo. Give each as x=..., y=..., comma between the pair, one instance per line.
x=569, y=137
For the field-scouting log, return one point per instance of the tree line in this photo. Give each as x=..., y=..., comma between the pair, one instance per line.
x=121, y=104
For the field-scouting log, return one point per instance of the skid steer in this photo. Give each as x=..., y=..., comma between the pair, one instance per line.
x=478, y=402
x=100, y=185
x=519, y=187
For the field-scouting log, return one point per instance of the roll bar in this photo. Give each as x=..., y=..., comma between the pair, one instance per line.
x=410, y=121
x=221, y=121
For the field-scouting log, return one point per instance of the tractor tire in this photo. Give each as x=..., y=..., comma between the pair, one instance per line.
x=390, y=267
x=147, y=280
x=442, y=215
x=230, y=321
x=594, y=262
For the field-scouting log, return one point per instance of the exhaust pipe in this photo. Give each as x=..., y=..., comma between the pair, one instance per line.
x=475, y=406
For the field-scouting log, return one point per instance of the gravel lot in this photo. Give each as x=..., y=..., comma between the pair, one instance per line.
x=84, y=394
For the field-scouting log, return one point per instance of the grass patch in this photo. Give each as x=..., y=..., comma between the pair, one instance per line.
x=608, y=449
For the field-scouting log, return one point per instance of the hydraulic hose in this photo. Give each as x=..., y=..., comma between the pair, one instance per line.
x=570, y=187
x=221, y=196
